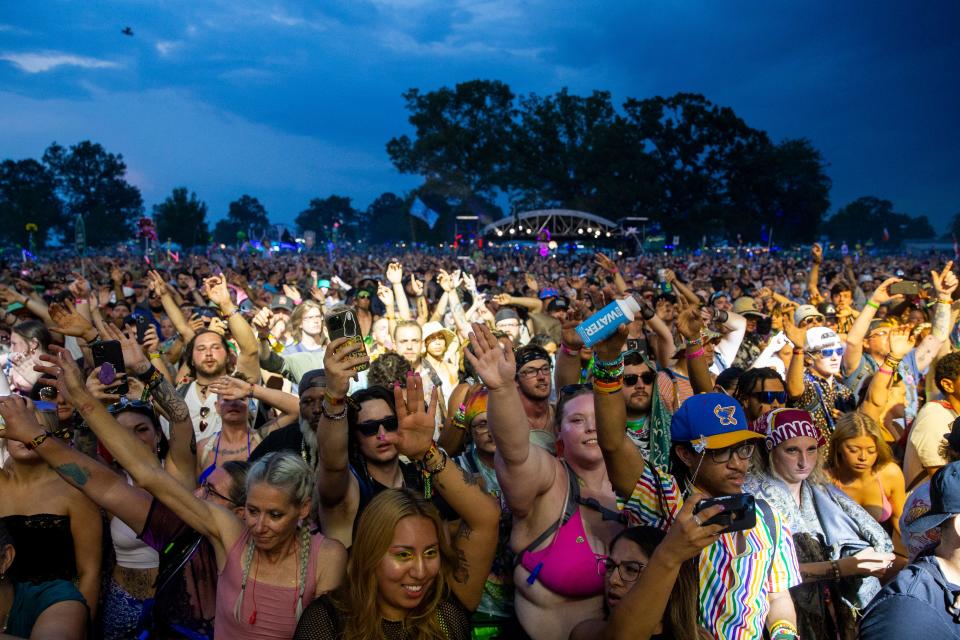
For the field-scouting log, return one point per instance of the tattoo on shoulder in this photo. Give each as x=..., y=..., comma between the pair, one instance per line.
x=73, y=473
x=470, y=478
x=462, y=572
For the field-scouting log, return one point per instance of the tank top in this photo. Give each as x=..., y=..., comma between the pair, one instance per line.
x=275, y=606
x=132, y=553
x=44, y=547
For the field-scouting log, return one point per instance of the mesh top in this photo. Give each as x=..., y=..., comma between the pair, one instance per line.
x=322, y=621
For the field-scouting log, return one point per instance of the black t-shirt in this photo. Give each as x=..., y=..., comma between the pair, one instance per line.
x=288, y=438
x=915, y=603
x=322, y=621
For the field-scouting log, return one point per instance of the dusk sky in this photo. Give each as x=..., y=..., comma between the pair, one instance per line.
x=287, y=101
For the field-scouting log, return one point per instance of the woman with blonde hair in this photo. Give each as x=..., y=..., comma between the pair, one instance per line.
x=405, y=578
x=861, y=464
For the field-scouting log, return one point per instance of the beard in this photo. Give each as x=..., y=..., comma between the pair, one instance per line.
x=309, y=433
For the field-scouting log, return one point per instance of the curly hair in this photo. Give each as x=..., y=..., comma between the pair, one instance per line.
x=389, y=368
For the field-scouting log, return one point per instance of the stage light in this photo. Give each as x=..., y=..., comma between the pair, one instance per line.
x=552, y=245
x=580, y=231
x=512, y=231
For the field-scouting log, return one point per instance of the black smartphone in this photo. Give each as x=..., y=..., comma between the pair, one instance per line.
x=906, y=287
x=344, y=325
x=739, y=511
x=110, y=351
x=142, y=325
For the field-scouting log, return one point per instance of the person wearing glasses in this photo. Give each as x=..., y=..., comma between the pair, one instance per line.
x=564, y=510
x=534, y=382
x=711, y=452
x=638, y=378
x=842, y=551
x=813, y=380
x=807, y=316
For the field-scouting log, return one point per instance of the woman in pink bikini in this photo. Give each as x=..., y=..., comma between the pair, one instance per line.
x=271, y=567
x=564, y=510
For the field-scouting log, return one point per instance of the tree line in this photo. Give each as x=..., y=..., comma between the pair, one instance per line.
x=692, y=167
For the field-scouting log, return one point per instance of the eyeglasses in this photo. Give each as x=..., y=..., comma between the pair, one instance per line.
x=372, y=427
x=828, y=353
x=533, y=373
x=769, y=397
x=204, y=412
x=629, y=570
x=743, y=451
x=631, y=379
x=208, y=491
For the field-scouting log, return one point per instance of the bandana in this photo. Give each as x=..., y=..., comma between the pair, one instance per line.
x=476, y=405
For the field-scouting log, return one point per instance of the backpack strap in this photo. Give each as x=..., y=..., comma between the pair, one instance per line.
x=569, y=508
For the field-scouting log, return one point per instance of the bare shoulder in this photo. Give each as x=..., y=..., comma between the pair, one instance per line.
x=891, y=472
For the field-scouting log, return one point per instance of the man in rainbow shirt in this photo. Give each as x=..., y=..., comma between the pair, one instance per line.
x=745, y=576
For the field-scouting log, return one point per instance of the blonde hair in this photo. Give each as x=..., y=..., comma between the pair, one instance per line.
x=853, y=425
x=288, y=471
x=294, y=328
x=357, y=599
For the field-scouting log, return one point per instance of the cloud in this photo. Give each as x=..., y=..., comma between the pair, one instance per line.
x=42, y=61
x=166, y=47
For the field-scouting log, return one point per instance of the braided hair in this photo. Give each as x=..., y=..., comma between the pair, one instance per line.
x=287, y=470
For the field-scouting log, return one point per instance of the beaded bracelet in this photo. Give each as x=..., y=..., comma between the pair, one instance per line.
x=460, y=418
x=607, y=364
x=608, y=374
x=784, y=630
x=433, y=452
x=607, y=387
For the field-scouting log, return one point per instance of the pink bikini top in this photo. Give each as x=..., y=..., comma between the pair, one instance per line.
x=568, y=565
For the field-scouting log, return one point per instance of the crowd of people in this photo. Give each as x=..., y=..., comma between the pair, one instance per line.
x=245, y=445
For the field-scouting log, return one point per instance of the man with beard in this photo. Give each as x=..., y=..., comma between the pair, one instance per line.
x=209, y=358
x=300, y=437
x=534, y=380
x=638, y=379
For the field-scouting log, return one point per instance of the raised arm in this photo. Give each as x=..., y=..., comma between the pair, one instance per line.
x=854, y=351
x=248, y=360
x=231, y=388
x=395, y=278
x=524, y=471
x=568, y=356
x=181, y=461
x=333, y=468
x=218, y=524
x=795, y=335
x=623, y=460
x=690, y=326
x=813, y=288
x=157, y=284
x=878, y=392
x=476, y=540
x=945, y=284
x=682, y=288
x=607, y=264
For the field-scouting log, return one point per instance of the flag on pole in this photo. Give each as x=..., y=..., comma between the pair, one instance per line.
x=886, y=235
x=419, y=210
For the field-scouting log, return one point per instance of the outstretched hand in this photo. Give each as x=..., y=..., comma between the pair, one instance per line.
x=945, y=282
x=60, y=370
x=493, y=362
x=416, y=423
x=19, y=420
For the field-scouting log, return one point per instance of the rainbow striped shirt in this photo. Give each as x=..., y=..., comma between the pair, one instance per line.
x=733, y=589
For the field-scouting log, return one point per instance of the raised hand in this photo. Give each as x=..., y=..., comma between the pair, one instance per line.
x=133, y=357
x=612, y=347
x=469, y=282
x=502, y=299
x=494, y=363
x=230, y=388
x=151, y=341
x=156, y=283
x=394, y=273
x=261, y=321
x=900, y=342
x=339, y=365
x=604, y=262
x=445, y=280
x=292, y=292
x=80, y=287
x=531, y=281
x=385, y=294
x=217, y=291
x=794, y=334
x=99, y=390
x=414, y=435
x=62, y=372
x=196, y=322
x=69, y=321
x=882, y=293
x=218, y=326
x=689, y=323
x=816, y=253
x=416, y=286
x=19, y=420
x=945, y=282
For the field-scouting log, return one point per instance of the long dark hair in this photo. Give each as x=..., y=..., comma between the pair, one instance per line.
x=681, y=619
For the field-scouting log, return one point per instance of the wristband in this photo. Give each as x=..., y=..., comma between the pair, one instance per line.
x=154, y=356
x=333, y=401
x=945, y=301
x=797, y=351
x=80, y=301
x=696, y=354
x=695, y=341
x=332, y=416
x=36, y=442
x=608, y=387
x=227, y=315
x=835, y=569
x=567, y=351
x=608, y=364
x=460, y=418
x=784, y=630
x=871, y=303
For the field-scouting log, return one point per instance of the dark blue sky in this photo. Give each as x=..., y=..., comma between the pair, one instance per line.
x=290, y=101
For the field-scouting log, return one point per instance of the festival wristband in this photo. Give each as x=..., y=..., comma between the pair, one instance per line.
x=695, y=354
x=889, y=372
x=567, y=351
x=871, y=303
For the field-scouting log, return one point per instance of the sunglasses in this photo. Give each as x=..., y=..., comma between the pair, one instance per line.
x=829, y=353
x=769, y=397
x=363, y=294
x=372, y=427
x=631, y=379
x=204, y=412
x=810, y=321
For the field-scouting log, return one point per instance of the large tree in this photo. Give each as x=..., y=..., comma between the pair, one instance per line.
x=245, y=216
x=322, y=214
x=389, y=219
x=870, y=219
x=91, y=182
x=182, y=218
x=28, y=195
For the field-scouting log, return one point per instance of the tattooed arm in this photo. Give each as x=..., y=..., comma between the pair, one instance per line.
x=476, y=541
x=107, y=489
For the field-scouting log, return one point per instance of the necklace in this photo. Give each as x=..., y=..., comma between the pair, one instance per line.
x=252, y=620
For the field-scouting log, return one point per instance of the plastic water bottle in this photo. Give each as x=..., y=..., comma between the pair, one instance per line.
x=603, y=323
